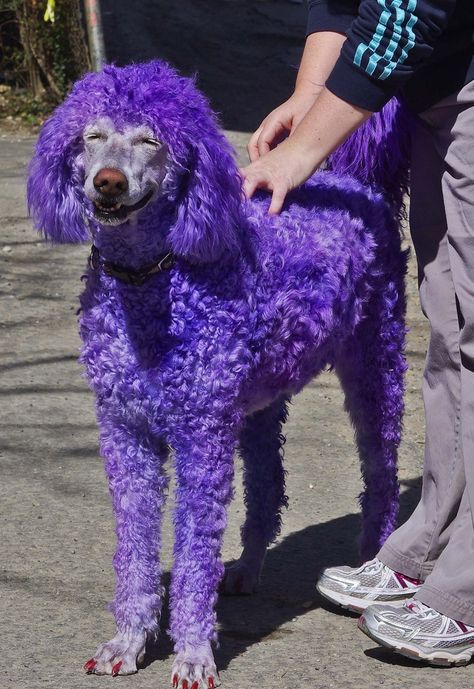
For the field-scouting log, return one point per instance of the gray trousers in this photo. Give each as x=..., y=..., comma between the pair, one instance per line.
x=437, y=543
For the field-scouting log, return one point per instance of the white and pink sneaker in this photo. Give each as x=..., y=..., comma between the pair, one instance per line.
x=419, y=632
x=373, y=582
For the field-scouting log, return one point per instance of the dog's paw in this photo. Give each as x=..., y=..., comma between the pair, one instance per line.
x=195, y=669
x=119, y=656
x=241, y=578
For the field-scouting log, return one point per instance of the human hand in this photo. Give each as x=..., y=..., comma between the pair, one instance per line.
x=279, y=171
x=325, y=126
x=320, y=54
x=280, y=122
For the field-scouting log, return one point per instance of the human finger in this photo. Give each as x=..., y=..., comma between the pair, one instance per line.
x=269, y=135
x=252, y=146
x=278, y=199
x=250, y=184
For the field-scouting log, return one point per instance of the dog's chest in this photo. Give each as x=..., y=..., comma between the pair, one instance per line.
x=125, y=330
x=173, y=346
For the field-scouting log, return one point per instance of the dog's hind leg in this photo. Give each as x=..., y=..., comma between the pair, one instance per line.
x=371, y=370
x=204, y=471
x=261, y=448
x=134, y=463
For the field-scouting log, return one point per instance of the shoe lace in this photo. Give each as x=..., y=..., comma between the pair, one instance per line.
x=420, y=610
x=372, y=565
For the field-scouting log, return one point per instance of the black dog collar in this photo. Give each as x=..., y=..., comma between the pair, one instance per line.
x=128, y=275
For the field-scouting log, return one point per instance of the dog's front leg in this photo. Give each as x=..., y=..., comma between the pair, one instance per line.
x=134, y=462
x=204, y=467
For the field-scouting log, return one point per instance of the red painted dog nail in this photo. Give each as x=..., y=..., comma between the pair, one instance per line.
x=184, y=684
x=90, y=665
x=210, y=683
x=195, y=685
x=175, y=680
x=116, y=668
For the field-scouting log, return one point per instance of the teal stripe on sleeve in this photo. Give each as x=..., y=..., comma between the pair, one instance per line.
x=377, y=37
x=394, y=41
x=409, y=44
x=399, y=28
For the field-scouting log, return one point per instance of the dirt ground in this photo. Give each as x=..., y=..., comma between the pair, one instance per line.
x=57, y=535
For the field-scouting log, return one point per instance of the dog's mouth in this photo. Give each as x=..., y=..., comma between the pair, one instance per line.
x=110, y=213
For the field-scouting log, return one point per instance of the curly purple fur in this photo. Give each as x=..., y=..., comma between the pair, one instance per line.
x=202, y=357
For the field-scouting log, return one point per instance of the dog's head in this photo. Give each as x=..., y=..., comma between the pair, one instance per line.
x=124, y=140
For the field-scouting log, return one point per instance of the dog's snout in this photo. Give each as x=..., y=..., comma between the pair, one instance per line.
x=110, y=182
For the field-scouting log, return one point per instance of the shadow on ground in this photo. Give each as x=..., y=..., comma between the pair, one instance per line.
x=287, y=589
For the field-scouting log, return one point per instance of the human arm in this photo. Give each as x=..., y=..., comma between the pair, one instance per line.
x=385, y=46
x=320, y=54
x=383, y=49
x=329, y=121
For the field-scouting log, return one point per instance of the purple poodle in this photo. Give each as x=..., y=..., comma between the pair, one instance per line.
x=202, y=315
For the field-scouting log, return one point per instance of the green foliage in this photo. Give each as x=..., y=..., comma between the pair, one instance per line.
x=18, y=108
x=9, y=5
x=50, y=52
x=49, y=12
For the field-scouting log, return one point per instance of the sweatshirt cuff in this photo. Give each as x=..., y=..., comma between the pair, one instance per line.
x=352, y=84
x=325, y=17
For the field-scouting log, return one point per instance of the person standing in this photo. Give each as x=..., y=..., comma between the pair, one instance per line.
x=417, y=594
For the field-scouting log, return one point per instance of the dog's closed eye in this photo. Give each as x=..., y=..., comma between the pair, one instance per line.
x=95, y=136
x=148, y=141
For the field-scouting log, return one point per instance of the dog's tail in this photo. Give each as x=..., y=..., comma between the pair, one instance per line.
x=378, y=153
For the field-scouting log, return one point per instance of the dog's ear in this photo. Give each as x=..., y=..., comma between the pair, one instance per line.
x=54, y=184
x=207, y=221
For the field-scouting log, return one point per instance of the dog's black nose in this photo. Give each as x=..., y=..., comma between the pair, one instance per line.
x=110, y=182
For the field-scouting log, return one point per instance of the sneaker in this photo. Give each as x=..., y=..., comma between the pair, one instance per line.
x=419, y=632
x=357, y=588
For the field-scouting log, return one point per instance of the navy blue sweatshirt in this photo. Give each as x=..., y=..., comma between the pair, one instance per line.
x=421, y=48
